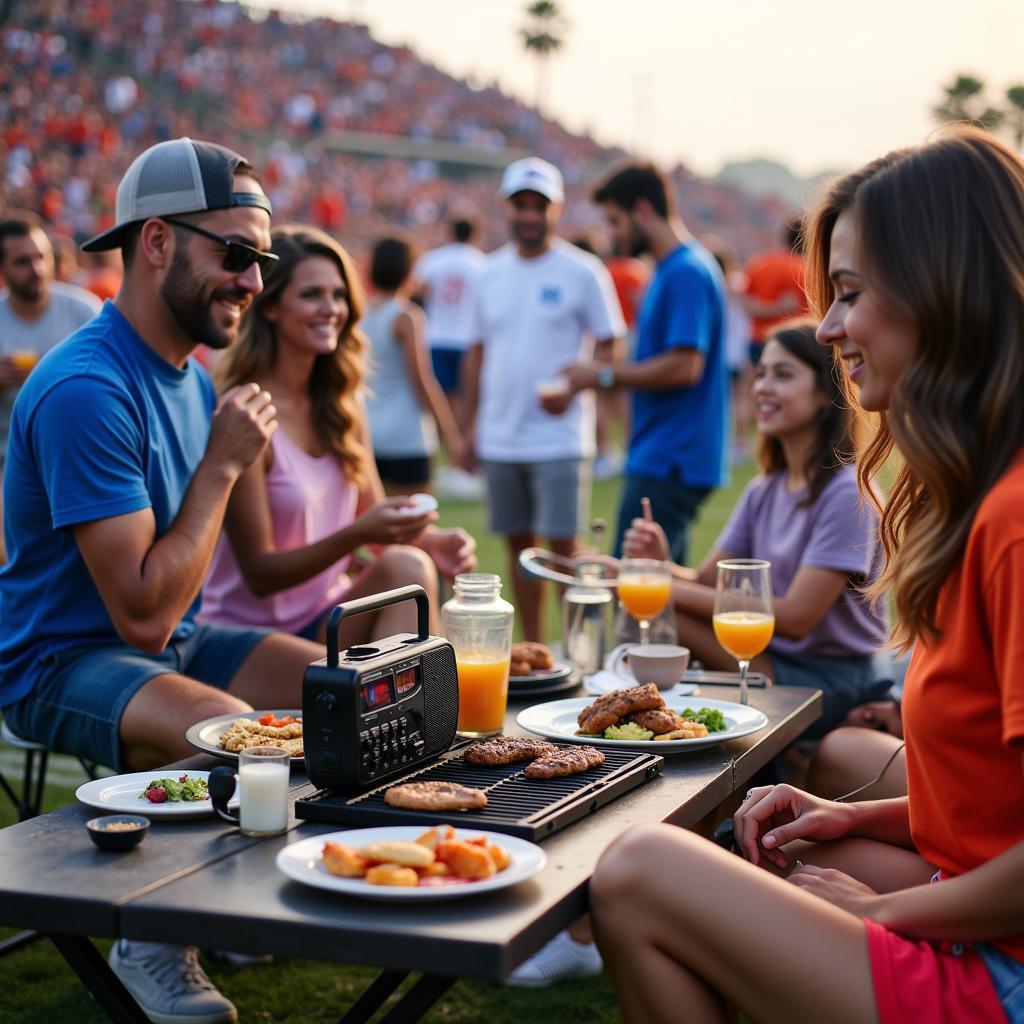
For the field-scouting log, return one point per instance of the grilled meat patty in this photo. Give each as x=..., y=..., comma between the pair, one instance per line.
x=613, y=707
x=507, y=750
x=564, y=761
x=435, y=796
x=659, y=720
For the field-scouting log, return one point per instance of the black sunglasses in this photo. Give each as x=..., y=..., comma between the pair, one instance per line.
x=238, y=256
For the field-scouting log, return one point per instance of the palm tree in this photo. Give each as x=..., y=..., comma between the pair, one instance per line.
x=964, y=102
x=1015, y=113
x=542, y=37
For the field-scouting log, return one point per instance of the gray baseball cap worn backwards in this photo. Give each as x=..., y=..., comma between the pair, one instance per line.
x=175, y=177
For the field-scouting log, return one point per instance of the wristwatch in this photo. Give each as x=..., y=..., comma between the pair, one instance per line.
x=606, y=378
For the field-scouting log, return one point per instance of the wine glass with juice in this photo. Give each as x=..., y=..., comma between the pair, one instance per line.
x=645, y=587
x=743, y=619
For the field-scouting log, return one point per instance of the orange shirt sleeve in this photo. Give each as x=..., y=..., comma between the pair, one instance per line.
x=1004, y=605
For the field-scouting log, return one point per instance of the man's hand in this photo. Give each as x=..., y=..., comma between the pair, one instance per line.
x=240, y=428
x=646, y=539
x=580, y=376
x=452, y=550
x=883, y=715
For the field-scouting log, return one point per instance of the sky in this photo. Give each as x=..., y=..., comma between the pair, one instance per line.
x=817, y=84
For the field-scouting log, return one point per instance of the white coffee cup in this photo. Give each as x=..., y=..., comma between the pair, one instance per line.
x=661, y=664
x=553, y=388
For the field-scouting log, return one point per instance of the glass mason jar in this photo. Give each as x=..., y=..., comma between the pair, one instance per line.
x=478, y=622
x=585, y=608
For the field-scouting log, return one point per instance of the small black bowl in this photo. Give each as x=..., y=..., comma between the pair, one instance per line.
x=120, y=839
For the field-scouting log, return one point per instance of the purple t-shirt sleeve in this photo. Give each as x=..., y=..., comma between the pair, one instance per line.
x=843, y=532
x=737, y=539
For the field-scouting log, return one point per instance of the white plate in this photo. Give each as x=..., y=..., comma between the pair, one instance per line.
x=557, y=720
x=205, y=735
x=303, y=862
x=120, y=793
x=544, y=676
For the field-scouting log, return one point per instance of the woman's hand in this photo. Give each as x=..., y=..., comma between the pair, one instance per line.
x=772, y=816
x=645, y=539
x=392, y=522
x=836, y=888
x=452, y=550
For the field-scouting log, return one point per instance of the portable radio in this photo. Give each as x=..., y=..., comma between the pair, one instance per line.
x=375, y=712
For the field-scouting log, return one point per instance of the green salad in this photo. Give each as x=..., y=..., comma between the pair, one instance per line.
x=160, y=791
x=711, y=718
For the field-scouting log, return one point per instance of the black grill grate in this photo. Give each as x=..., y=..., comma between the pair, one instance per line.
x=517, y=806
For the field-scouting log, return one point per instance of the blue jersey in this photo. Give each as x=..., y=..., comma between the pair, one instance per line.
x=102, y=427
x=681, y=433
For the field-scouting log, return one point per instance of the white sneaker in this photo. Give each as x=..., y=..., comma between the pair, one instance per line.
x=563, y=957
x=171, y=987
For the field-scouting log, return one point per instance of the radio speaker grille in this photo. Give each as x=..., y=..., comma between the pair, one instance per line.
x=441, y=699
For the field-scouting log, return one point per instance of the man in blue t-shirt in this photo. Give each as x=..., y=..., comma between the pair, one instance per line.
x=120, y=463
x=678, y=376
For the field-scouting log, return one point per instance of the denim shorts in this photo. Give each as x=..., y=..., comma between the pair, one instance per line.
x=79, y=698
x=1007, y=978
x=845, y=683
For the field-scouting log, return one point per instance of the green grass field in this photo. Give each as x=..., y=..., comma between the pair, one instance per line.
x=36, y=987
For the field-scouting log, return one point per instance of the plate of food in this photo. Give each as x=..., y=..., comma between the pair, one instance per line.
x=157, y=794
x=639, y=717
x=534, y=663
x=226, y=735
x=404, y=862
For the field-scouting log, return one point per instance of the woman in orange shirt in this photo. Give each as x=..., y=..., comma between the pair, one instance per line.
x=917, y=267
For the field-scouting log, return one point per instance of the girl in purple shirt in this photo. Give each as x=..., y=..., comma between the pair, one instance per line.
x=805, y=516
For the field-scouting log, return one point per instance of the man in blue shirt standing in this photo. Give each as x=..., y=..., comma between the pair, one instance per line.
x=119, y=467
x=678, y=377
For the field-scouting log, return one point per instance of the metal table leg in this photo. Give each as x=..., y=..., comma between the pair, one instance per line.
x=374, y=997
x=95, y=973
x=419, y=999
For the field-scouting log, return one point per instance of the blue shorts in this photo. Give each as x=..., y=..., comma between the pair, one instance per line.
x=845, y=683
x=77, y=704
x=447, y=363
x=1008, y=979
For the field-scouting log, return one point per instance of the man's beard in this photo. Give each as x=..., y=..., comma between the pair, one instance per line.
x=31, y=293
x=530, y=242
x=639, y=243
x=183, y=294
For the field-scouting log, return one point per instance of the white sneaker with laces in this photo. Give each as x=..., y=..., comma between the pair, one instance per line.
x=171, y=987
x=563, y=957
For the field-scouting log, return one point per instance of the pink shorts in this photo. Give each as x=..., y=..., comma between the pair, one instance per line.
x=918, y=981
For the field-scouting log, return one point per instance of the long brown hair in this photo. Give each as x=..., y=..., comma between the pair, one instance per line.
x=941, y=232
x=834, y=444
x=337, y=376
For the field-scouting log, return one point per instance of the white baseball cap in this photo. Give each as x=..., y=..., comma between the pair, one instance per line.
x=531, y=174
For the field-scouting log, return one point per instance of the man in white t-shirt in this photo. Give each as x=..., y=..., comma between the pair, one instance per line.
x=541, y=303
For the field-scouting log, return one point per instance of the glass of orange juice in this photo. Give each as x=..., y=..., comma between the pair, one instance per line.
x=743, y=619
x=479, y=625
x=644, y=586
x=25, y=358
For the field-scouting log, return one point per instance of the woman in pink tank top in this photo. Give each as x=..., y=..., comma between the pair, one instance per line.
x=298, y=515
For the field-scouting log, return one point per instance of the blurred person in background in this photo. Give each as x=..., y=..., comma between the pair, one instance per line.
x=406, y=406
x=541, y=303
x=775, y=285
x=678, y=376
x=446, y=282
x=36, y=311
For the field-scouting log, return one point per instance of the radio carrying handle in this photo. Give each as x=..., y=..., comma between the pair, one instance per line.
x=374, y=603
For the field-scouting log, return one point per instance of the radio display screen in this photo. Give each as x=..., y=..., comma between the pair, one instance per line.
x=377, y=694
x=405, y=680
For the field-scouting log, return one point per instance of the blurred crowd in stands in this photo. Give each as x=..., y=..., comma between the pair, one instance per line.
x=86, y=84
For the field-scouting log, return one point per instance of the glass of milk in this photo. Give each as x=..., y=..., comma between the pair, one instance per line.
x=263, y=790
